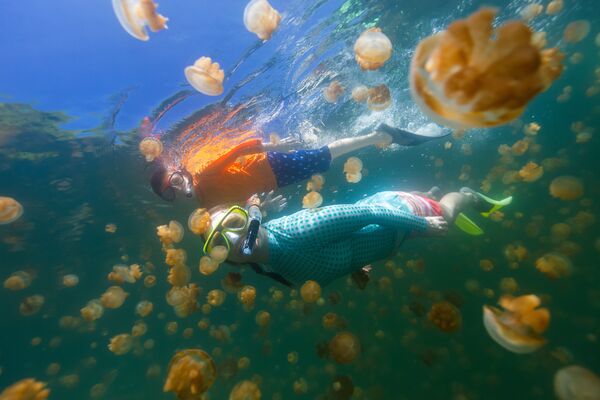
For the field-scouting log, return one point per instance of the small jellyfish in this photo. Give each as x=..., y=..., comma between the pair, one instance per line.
x=169, y=234
x=247, y=296
x=554, y=7
x=445, y=316
x=263, y=318
x=18, y=281
x=330, y=320
x=261, y=18
x=207, y=265
x=532, y=129
x=576, y=383
x=219, y=254
x=139, y=329
x=353, y=165
x=26, y=389
x=360, y=93
x=123, y=273
x=576, y=31
x=179, y=275
x=110, y=228
x=113, y=297
x=134, y=15
x=531, y=11
x=144, y=308
x=206, y=76
x=554, y=265
x=379, y=98
x=344, y=347
x=316, y=183
x=566, y=188
x=121, y=344
x=310, y=291
x=520, y=147
x=245, y=390
x=92, y=311
x=183, y=299
x=372, y=49
x=191, y=373
x=199, y=221
x=519, y=325
x=333, y=91
x=215, y=297
x=70, y=280
x=531, y=172
x=175, y=257
x=149, y=281
x=151, y=148
x=10, y=210
x=31, y=305
x=473, y=76
x=312, y=200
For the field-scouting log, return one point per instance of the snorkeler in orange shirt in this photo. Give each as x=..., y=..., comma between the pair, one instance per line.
x=254, y=167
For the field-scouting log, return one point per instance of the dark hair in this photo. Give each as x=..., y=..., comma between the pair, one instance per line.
x=159, y=184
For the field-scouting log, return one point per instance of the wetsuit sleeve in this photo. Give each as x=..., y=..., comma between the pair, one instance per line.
x=243, y=149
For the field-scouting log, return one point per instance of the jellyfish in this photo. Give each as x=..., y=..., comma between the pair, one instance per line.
x=263, y=318
x=121, y=344
x=566, y=188
x=31, y=305
x=219, y=254
x=554, y=265
x=69, y=381
x=92, y=311
x=554, y=7
x=10, y=210
x=473, y=76
x=316, y=183
x=207, y=265
x=261, y=18
x=333, y=91
x=113, y=297
x=199, y=221
x=445, y=316
x=26, y=389
x=330, y=320
x=245, y=390
x=354, y=178
x=312, y=200
x=123, y=273
x=292, y=357
x=151, y=148
x=532, y=129
x=576, y=31
x=134, y=15
x=353, y=165
x=149, y=281
x=575, y=382
x=215, y=297
x=520, y=147
x=191, y=373
x=183, y=299
x=179, y=275
x=531, y=11
x=205, y=76
x=139, y=329
x=70, y=280
x=144, y=308
x=169, y=234
x=360, y=93
x=372, y=49
x=379, y=98
x=519, y=324
x=175, y=257
x=18, y=281
x=531, y=172
x=310, y=291
x=344, y=347
x=247, y=296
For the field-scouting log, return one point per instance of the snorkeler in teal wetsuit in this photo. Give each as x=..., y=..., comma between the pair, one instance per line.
x=330, y=242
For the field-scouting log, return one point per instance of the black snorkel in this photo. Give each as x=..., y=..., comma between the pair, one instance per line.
x=255, y=218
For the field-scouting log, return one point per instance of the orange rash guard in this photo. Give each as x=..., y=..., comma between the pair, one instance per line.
x=229, y=180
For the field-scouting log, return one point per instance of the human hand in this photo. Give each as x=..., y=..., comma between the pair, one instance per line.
x=436, y=226
x=284, y=145
x=273, y=204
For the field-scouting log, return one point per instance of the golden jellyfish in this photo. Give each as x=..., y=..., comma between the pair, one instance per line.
x=316, y=183
x=92, y=311
x=519, y=324
x=247, y=295
x=519, y=147
x=10, y=210
x=199, y=221
x=26, y=389
x=576, y=31
x=179, y=275
x=360, y=93
x=135, y=15
x=151, y=148
x=18, y=281
x=330, y=320
x=312, y=200
x=372, y=49
x=310, y=291
x=70, y=280
x=144, y=308
x=554, y=7
x=205, y=76
x=123, y=273
x=215, y=297
x=149, y=281
x=474, y=76
x=207, y=265
x=531, y=172
x=531, y=11
x=554, y=265
x=379, y=98
x=261, y=18
x=353, y=165
x=263, y=318
x=110, y=228
x=183, y=299
x=575, y=382
x=139, y=329
x=113, y=297
x=566, y=188
x=333, y=91
x=31, y=305
x=532, y=129
x=169, y=234
x=243, y=363
x=245, y=390
x=121, y=344
x=344, y=347
x=191, y=373
x=219, y=254
x=175, y=257
x=445, y=316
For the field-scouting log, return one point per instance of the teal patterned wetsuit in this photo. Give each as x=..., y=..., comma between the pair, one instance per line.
x=330, y=242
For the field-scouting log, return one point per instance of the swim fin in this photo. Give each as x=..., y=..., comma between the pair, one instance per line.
x=405, y=138
x=467, y=225
x=485, y=209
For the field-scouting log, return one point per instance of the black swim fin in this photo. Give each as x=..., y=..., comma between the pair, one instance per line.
x=405, y=138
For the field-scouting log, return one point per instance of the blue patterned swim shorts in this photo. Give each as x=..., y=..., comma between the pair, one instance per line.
x=295, y=166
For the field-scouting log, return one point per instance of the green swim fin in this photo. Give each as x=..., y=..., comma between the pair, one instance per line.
x=468, y=226
x=496, y=204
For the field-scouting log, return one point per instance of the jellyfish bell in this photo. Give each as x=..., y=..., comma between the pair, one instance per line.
x=554, y=265
x=372, y=49
x=121, y=344
x=10, y=210
x=344, y=347
x=245, y=390
x=191, y=373
x=310, y=291
x=353, y=178
x=379, y=98
x=575, y=382
x=134, y=15
x=353, y=165
x=199, y=221
x=261, y=18
x=219, y=254
x=333, y=91
x=206, y=76
x=360, y=93
x=151, y=148
x=26, y=389
x=566, y=188
x=475, y=76
x=312, y=200
x=576, y=31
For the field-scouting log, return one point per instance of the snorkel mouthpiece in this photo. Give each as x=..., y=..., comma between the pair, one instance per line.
x=255, y=218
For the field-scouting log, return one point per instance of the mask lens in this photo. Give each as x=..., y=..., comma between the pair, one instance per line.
x=234, y=221
x=218, y=239
x=176, y=180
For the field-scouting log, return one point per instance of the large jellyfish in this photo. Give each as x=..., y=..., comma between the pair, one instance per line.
x=372, y=49
x=199, y=221
x=10, y=210
x=518, y=327
x=310, y=291
x=26, y=389
x=206, y=76
x=18, y=281
x=113, y=297
x=566, y=188
x=554, y=265
x=344, y=347
x=135, y=15
x=151, y=148
x=473, y=75
x=191, y=373
x=261, y=18
x=576, y=383
x=245, y=390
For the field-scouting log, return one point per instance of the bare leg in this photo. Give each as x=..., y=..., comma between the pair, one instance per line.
x=347, y=145
x=453, y=204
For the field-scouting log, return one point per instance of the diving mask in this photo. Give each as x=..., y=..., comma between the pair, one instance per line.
x=228, y=228
x=182, y=181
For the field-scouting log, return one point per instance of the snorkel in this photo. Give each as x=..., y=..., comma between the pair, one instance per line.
x=255, y=218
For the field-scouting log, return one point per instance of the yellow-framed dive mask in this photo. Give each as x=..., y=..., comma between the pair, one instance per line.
x=228, y=228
